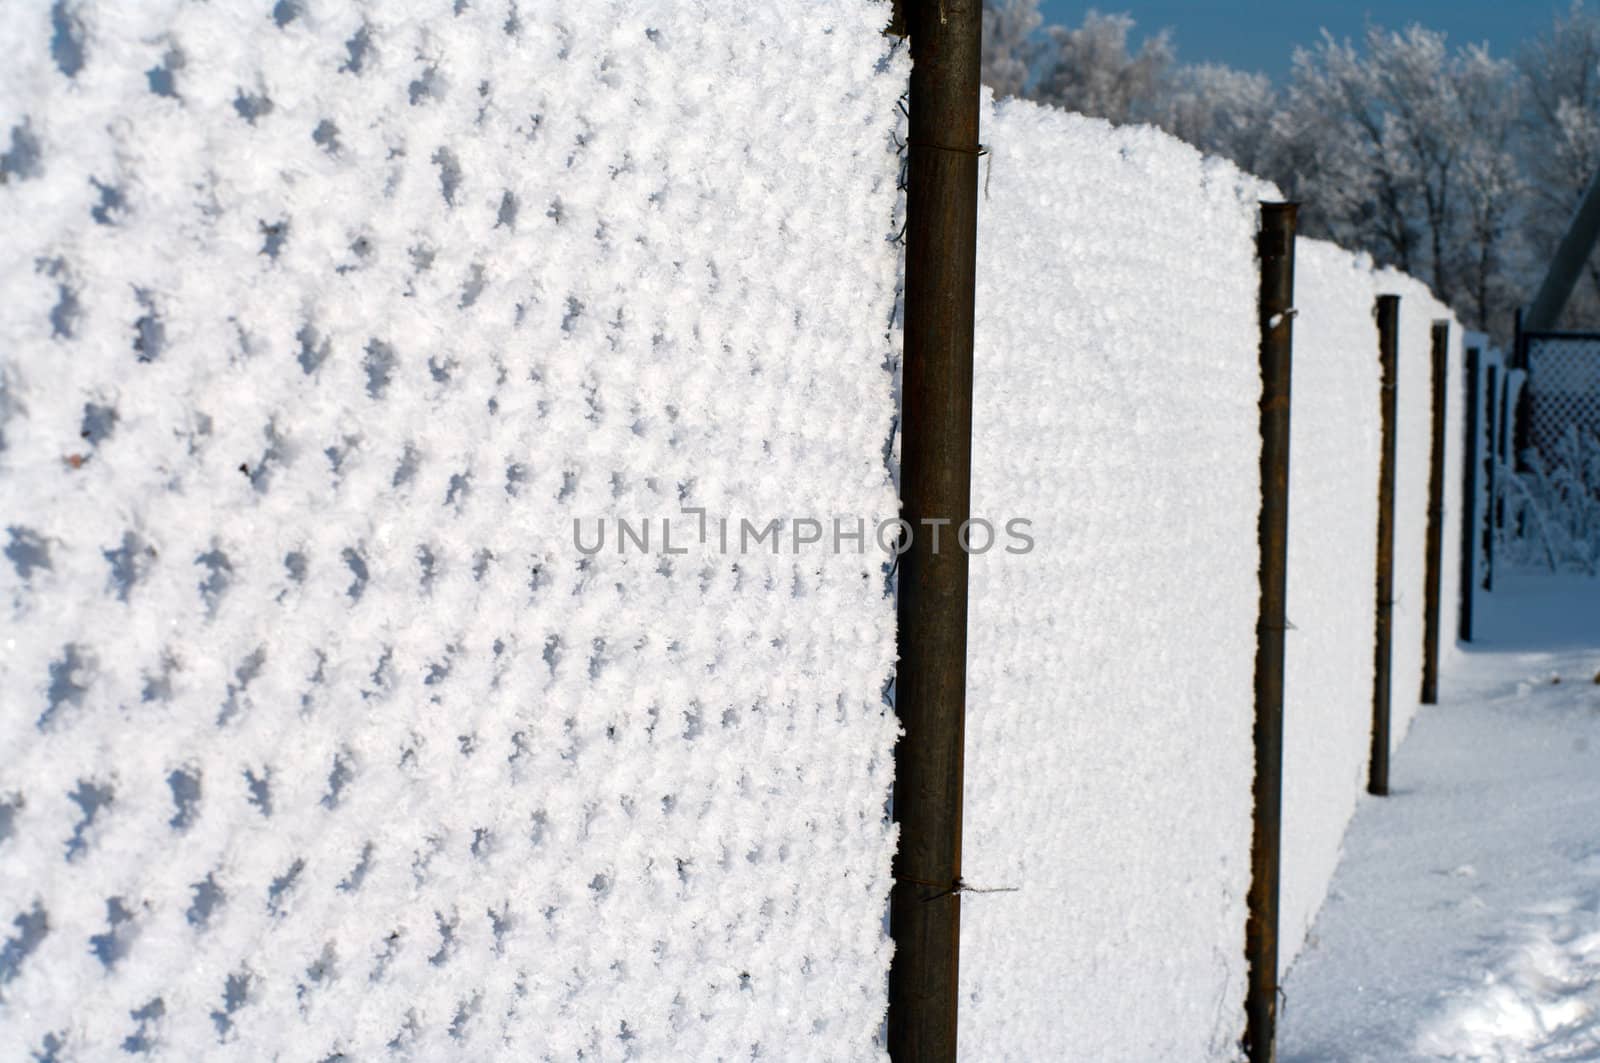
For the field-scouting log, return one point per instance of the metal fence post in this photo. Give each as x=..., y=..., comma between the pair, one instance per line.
x=1521, y=438
x=1388, y=312
x=1491, y=390
x=1435, y=533
x=1500, y=442
x=1275, y=245
x=1469, y=501
x=935, y=472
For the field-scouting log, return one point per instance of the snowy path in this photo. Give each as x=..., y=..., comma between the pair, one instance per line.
x=1464, y=920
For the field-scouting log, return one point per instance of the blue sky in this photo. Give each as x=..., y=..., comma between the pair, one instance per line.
x=1261, y=34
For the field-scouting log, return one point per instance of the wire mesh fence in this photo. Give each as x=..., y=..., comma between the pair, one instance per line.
x=1563, y=388
x=1546, y=501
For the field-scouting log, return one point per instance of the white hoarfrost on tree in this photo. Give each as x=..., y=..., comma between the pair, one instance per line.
x=1091, y=71
x=1403, y=146
x=1347, y=161
x=1223, y=111
x=1491, y=248
x=1008, y=49
x=1436, y=158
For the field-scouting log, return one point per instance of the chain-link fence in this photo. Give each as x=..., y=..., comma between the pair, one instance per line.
x=1563, y=388
x=1547, y=506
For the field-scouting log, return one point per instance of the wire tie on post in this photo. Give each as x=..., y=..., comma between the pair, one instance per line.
x=979, y=150
x=944, y=890
x=957, y=887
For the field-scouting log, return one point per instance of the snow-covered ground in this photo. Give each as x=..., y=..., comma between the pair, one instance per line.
x=1464, y=919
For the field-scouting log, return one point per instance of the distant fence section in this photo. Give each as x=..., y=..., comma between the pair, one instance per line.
x=1108, y=748
x=1545, y=454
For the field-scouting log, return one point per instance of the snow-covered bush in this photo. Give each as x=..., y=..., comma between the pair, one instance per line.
x=1552, y=505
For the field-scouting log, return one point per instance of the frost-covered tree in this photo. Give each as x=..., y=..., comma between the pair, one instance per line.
x=1008, y=47
x=1418, y=89
x=1489, y=258
x=1222, y=111
x=1340, y=155
x=1090, y=69
x=1404, y=147
x=1446, y=162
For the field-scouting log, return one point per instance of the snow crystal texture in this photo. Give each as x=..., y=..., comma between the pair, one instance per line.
x=1110, y=674
x=322, y=322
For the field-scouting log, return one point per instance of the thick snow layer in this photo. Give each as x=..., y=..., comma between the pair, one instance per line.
x=322, y=322
x=1108, y=756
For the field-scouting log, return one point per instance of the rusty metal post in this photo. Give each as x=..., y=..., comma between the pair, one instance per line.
x=1500, y=455
x=935, y=469
x=1491, y=389
x=1388, y=312
x=1519, y=360
x=1469, y=501
x=1275, y=246
x=1435, y=533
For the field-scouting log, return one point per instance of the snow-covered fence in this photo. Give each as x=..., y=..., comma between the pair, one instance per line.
x=1110, y=693
x=1418, y=311
x=1333, y=520
x=1332, y=551
x=322, y=322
